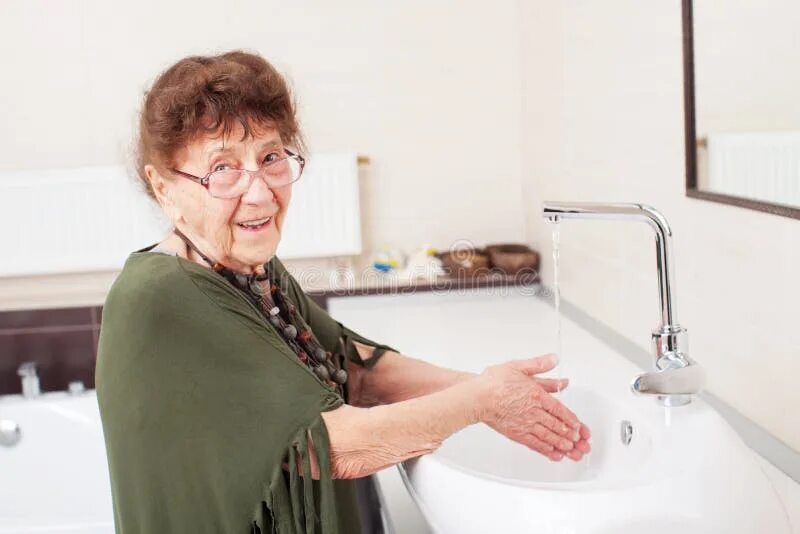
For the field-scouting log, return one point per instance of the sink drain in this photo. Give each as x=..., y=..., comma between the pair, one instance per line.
x=626, y=432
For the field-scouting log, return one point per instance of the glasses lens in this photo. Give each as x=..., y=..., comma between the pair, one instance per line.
x=231, y=183
x=227, y=183
x=281, y=172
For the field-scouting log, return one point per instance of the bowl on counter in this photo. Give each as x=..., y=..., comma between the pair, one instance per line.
x=512, y=258
x=464, y=262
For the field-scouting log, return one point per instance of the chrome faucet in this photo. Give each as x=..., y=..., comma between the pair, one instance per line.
x=30, y=380
x=676, y=377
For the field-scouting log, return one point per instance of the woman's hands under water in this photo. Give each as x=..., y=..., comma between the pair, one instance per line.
x=507, y=397
x=519, y=405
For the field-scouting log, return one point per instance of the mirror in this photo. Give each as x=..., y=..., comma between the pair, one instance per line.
x=742, y=110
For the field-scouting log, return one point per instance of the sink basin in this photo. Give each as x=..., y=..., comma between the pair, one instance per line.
x=482, y=452
x=683, y=470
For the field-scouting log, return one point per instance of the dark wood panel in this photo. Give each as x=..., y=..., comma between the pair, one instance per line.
x=61, y=357
x=742, y=202
x=19, y=319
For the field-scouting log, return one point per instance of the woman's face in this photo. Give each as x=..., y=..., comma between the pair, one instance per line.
x=215, y=225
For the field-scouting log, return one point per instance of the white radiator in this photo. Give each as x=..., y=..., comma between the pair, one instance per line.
x=91, y=218
x=758, y=165
x=324, y=217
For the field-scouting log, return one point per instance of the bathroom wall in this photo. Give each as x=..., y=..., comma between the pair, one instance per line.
x=460, y=108
x=429, y=91
x=603, y=121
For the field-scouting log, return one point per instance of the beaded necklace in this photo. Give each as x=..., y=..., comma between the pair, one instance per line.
x=282, y=314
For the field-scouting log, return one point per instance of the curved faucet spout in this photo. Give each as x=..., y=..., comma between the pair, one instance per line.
x=555, y=211
x=676, y=375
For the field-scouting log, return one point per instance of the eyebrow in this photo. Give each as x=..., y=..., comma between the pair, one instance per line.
x=221, y=148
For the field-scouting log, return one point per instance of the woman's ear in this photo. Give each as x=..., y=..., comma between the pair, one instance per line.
x=162, y=189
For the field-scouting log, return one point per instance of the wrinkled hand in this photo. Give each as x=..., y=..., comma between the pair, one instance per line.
x=519, y=406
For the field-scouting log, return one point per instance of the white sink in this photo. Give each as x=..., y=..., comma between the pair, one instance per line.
x=689, y=473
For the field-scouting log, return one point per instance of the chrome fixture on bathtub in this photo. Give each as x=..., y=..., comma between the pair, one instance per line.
x=30, y=380
x=677, y=377
x=10, y=433
x=76, y=387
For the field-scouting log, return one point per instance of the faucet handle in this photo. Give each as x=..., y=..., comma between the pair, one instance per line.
x=688, y=380
x=27, y=369
x=677, y=377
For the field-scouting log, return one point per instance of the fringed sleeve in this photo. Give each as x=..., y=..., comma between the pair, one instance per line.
x=346, y=347
x=289, y=503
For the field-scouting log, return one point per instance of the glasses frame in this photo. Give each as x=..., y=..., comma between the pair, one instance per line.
x=206, y=180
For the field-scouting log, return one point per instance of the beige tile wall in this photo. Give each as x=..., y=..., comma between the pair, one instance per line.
x=430, y=91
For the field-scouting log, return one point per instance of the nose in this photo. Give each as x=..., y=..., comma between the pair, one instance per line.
x=258, y=193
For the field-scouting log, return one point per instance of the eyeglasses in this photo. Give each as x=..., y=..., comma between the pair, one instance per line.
x=232, y=183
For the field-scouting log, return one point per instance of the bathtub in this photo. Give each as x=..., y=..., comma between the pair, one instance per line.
x=55, y=479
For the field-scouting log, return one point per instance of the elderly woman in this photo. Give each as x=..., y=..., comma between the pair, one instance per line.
x=230, y=401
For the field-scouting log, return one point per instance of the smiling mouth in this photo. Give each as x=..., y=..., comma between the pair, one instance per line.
x=255, y=224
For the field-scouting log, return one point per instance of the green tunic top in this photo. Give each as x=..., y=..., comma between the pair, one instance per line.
x=203, y=404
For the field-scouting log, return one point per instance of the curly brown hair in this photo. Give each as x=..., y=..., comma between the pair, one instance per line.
x=198, y=95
